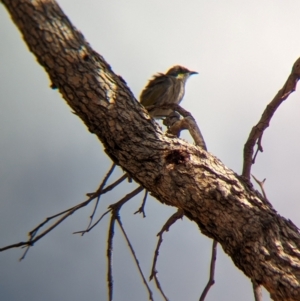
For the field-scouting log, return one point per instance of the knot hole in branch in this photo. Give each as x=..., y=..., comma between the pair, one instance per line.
x=177, y=157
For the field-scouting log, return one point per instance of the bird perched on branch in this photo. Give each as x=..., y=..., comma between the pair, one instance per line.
x=165, y=88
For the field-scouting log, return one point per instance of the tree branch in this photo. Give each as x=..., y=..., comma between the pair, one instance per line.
x=257, y=131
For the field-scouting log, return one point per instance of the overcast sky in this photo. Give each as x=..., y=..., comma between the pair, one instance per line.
x=243, y=51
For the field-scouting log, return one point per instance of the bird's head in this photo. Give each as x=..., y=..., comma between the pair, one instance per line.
x=180, y=72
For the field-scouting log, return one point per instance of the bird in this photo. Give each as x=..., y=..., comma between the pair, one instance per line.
x=165, y=88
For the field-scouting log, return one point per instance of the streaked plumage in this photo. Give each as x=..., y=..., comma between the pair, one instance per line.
x=164, y=89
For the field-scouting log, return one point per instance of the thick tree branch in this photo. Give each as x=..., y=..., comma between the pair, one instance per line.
x=264, y=245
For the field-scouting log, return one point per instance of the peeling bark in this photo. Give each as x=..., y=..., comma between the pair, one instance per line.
x=261, y=243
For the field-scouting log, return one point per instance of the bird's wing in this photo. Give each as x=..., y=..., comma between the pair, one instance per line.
x=155, y=90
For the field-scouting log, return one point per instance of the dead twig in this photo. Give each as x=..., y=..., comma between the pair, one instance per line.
x=99, y=194
x=258, y=149
x=115, y=208
x=111, y=233
x=211, y=280
x=177, y=215
x=141, y=209
x=92, y=226
x=261, y=185
x=108, y=188
x=134, y=256
x=126, y=198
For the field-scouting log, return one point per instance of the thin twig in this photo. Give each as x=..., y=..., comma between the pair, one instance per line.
x=177, y=215
x=153, y=270
x=108, y=188
x=259, y=148
x=126, y=198
x=134, y=256
x=111, y=233
x=211, y=280
x=142, y=208
x=98, y=197
x=261, y=185
x=94, y=225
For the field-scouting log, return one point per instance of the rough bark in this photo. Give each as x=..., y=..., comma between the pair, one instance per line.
x=264, y=245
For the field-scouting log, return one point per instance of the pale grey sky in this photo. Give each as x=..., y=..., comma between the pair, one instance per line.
x=243, y=51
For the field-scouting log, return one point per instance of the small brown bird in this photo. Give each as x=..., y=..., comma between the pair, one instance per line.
x=165, y=89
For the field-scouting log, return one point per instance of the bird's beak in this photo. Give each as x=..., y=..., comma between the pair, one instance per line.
x=193, y=72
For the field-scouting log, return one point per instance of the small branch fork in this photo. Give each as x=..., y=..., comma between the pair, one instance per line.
x=142, y=208
x=261, y=185
x=99, y=193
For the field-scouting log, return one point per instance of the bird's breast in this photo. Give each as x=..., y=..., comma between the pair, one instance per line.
x=178, y=92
